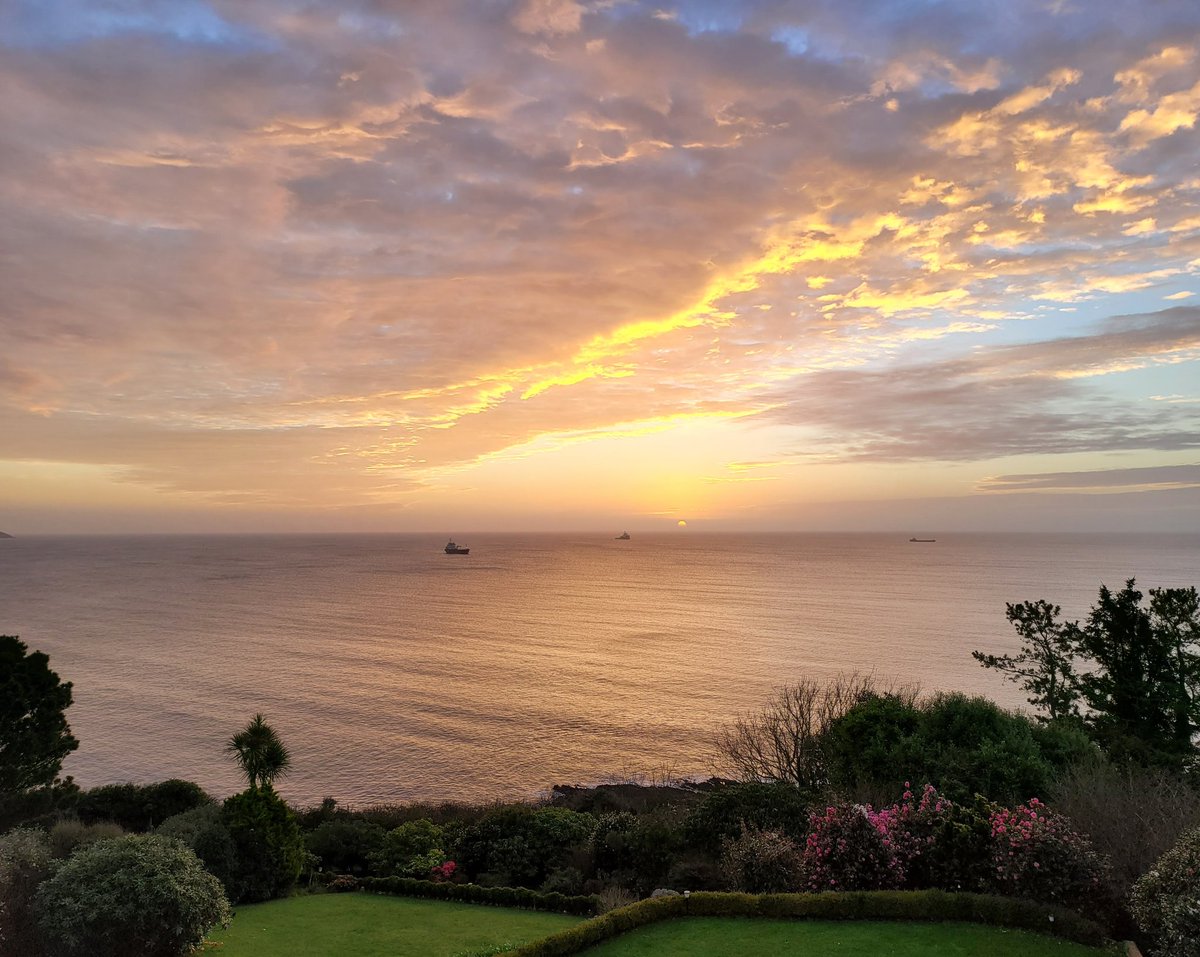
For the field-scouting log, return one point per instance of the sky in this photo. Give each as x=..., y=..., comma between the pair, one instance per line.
x=429, y=265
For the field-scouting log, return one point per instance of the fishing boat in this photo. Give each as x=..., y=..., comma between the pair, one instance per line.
x=452, y=549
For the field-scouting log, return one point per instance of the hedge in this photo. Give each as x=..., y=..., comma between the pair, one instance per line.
x=928, y=906
x=478, y=894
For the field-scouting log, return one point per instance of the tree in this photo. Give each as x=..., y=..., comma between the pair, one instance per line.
x=262, y=755
x=784, y=741
x=137, y=894
x=962, y=745
x=1142, y=665
x=268, y=846
x=1136, y=671
x=34, y=734
x=1046, y=665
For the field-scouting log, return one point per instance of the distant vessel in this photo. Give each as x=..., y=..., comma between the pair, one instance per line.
x=922, y=539
x=452, y=549
x=6, y=535
x=623, y=537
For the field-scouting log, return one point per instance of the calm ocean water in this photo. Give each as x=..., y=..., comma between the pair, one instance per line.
x=396, y=672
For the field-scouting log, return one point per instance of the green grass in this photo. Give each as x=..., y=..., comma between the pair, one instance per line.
x=370, y=925
x=750, y=937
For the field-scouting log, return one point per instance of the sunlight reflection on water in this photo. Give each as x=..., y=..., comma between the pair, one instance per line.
x=396, y=672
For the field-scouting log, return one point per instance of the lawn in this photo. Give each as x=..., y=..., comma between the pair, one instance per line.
x=370, y=925
x=748, y=937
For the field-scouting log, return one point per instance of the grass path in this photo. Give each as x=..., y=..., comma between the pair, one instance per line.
x=370, y=925
x=748, y=937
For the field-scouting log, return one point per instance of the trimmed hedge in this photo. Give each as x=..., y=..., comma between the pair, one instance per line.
x=477, y=894
x=928, y=906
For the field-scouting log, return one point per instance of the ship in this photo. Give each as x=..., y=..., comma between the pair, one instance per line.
x=922, y=539
x=452, y=549
x=623, y=537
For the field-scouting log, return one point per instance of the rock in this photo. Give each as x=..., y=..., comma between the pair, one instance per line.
x=664, y=892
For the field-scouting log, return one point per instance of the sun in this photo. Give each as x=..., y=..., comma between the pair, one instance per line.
x=681, y=524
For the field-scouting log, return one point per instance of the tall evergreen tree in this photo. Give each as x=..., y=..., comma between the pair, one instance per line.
x=34, y=734
x=1046, y=665
x=1134, y=670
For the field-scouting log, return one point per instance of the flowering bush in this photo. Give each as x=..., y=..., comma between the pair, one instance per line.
x=1036, y=854
x=1166, y=900
x=761, y=862
x=443, y=872
x=847, y=850
x=937, y=843
x=410, y=850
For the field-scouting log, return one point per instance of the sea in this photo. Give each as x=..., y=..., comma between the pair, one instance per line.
x=395, y=672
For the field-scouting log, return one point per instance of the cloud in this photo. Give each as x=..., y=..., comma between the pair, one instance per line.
x=333, y=251
x=1000, y=401
x=1163, y=476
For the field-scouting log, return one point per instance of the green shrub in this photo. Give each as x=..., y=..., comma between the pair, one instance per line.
x=25, y=862
x=477, y=894
x=409, y=850
x=204, y=830
x=70, y=834
x=762, y=862
x=137, y=894
x=722, y=813
x=140, y=807
x=269, y=845
x=519, y=845
x=345, y=844
x=962, y=745
x=1166, y=901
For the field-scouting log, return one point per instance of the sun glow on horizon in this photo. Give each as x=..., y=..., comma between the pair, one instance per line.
x=538, y=269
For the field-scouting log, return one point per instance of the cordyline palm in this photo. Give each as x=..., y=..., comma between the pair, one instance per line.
x=261, y=754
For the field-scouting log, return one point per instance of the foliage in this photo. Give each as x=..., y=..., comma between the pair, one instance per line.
x=25, y=862
x=1166, y=901
x=962, y=745
x=937, y=843
x=637, y=851
x=846, y=851
x=260, y=753
x=1136, y=670
x=204, y=830
x=268, y=843
x=762, y=862
x=1142, y=690
x=519, y=845
x=969, y=745
x=1046, y=665
x=410, y=850
x=140, y=807
x=136, y=894
x=722, y=813
x=785, y=740
x=345, y=844
x=34, y=734
x=1132, y=815
x=479, y=894
x=70, y=834
x=1037, y=854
